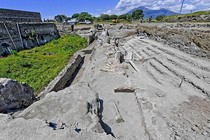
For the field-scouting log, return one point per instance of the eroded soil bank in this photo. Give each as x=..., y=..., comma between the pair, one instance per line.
x=191, y=38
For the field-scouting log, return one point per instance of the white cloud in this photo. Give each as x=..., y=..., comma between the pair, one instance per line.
x=189, y=7
x=124, y=6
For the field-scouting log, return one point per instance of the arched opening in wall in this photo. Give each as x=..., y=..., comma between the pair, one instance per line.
x=5, y=48
x=43, y=40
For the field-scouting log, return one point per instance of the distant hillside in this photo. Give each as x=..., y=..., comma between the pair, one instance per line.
x=199, y=16
x=153, y=13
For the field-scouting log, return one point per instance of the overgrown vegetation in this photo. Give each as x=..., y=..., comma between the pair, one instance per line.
x=168, y=18
x=38, y=66
x=135, y=15
x=160, y=17
x=81, y=17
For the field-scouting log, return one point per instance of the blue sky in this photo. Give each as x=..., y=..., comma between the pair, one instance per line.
x=173, y=5
x=50, y=8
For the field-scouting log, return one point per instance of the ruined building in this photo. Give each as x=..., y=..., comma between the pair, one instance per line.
x=23, y=30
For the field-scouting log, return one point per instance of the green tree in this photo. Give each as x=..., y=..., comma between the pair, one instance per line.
x=129, y=17
x=85, y=16
x=124, y=16
x=113, y=16
x=104, y=17
x=160, y=17
x=76, y=15
x=96, y=19
x=138, y=14
x=60, y=18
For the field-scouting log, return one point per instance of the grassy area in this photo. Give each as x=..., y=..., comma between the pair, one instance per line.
x=186, y=15
x=38, y=66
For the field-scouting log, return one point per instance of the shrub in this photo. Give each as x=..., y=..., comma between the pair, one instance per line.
x=160, y=17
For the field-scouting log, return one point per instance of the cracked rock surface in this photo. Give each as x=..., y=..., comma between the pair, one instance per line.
x=14, y=95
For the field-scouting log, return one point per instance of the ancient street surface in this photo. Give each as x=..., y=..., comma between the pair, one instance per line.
x=154, y=92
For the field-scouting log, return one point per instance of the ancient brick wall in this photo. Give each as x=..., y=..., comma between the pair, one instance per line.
x=23, y=30
x=19, y=16
x=26, y=35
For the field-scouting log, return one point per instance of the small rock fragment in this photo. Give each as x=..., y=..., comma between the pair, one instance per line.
x=77, y=130
x=51, y=124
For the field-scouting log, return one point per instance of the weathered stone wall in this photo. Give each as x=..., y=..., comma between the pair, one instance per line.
x=26, y=35
x=19, y=16
x=23, y=30
x=44, y=32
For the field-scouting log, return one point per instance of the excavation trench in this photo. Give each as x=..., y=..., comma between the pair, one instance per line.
x=65, y=77
x=69, y=75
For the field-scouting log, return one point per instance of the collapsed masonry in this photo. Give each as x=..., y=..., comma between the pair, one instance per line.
x=23, y=30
